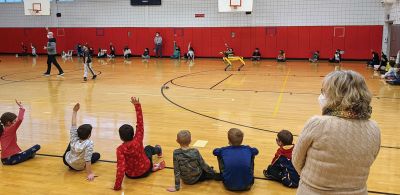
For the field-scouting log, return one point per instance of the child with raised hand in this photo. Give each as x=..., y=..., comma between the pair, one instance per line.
x=236, y=162
x=133, y=160
x=79, y=154
x=177, y=52
x=281, y=168
x=188, y=163
x=11, y=154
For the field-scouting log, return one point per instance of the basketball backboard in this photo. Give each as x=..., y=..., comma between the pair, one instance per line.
x=37, y=7
x=235, y=5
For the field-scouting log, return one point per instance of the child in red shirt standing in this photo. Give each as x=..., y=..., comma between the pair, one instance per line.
x=10, y=152
x=133, y=160
x=281, y=168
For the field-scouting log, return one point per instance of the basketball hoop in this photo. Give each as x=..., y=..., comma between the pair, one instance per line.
x=36, y=8
x=235, y=3
x=34, y=11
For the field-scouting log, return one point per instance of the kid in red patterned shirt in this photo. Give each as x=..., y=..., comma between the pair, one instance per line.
x=11, y=154
x=133, y=160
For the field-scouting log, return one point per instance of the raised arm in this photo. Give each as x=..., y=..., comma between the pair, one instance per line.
x=139, y=134
x=20, y=117
x=74, y=113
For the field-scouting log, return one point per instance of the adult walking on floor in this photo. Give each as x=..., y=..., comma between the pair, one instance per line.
x=51, y=54
x=335, y=151
x=158, y=44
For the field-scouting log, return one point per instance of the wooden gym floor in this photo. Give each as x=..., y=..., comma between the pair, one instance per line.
x=261, y=99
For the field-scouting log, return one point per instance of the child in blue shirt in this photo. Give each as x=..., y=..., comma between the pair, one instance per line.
x=236, y=162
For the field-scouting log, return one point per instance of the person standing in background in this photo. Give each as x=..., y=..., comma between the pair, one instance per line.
x=158, y=44
x=51, y=54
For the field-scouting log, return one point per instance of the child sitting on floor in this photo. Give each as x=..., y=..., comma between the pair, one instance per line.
x=281, y=57
x=281, y=168
x=133, y=160
x=256, y=55
x=127, y=52
x=146, y=54
x=236, y=162
x=11, y=154
x=188, y=163
x=79, y=154
x=392, y=73
x=315, y=57
x=190, y=54
x=177, y=52
x=337, y=57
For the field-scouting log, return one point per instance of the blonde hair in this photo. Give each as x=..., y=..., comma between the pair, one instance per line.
x=184, y=137
x=235, y=136
x=346, y=90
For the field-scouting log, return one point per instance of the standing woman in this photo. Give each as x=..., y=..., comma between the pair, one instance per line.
x=158, y=45
x=51, y=55
x=335, y=151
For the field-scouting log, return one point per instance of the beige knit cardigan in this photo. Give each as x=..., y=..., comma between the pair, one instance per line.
x=333, y=155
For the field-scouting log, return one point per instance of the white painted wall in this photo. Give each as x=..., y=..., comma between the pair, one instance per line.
x=395, y=13
x=180, y=13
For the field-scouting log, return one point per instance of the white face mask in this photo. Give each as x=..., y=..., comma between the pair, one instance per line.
x=322, y=100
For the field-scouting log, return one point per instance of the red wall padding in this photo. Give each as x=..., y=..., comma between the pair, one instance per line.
x=297, y=41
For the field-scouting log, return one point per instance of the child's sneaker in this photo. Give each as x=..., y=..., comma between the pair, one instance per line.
x=94, y=77
x=159, y=166
x=159, y=155
x=84, y=78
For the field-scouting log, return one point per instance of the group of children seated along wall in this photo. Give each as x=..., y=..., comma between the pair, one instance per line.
x=102, y=53
x=388, y=68
x=236, y=161
x=256, y=56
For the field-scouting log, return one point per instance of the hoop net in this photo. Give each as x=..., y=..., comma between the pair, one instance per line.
x=34, y=11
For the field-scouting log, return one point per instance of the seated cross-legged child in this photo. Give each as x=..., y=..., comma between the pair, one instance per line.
x=256, y=55
x=281, y=56
x=79, y=154
x=133, y=160
x=188, y=163
x=177, y=52
x=281, y=168
x=236, y=162
x=146, y=54
x=315, y=57
x=11, y=154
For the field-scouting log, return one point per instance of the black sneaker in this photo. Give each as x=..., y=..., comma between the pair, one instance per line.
x=84, y=78
x=61, y=74
x=94, y=76
x=46, y=74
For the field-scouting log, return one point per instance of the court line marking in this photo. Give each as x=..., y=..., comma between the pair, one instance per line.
x=222, y=120
x=283, y=87
x=172, y=168
x=221, y=81
x=263, y=91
